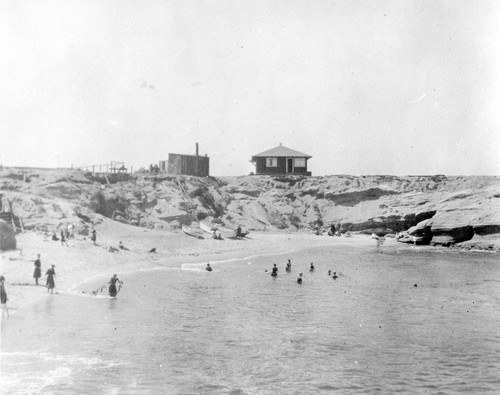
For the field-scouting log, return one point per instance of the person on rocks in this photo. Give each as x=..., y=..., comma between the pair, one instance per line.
x=94, y=236
x=37, y=273
x=63, y=238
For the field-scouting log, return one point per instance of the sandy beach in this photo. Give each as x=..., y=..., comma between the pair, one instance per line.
x=80, y=260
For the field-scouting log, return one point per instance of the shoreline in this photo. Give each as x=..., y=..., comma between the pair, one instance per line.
x=80, y=262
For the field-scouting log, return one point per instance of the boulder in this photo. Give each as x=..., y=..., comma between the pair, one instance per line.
x=7, y=237
x=450, y=227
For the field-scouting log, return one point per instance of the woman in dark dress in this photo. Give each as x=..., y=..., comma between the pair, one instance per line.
x=51, y=284
x=37, y=273
x=274, y=273
x=113, y=291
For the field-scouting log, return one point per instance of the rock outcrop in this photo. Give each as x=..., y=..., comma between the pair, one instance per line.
x=7, y=237
x=430, y=209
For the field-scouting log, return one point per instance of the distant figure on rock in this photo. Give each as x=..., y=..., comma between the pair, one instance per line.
x=208, y=268
x=299, y=279
x=122, y=247
x=51, y=284
x=288, y=266
x=37, y=273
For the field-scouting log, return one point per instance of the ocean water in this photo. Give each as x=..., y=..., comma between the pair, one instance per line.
x=408, y=320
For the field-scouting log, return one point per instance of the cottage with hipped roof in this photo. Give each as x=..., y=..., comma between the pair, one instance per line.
x=281, y=160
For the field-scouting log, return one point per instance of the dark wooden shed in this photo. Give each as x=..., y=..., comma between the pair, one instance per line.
x=281, y=160
x=191, y=165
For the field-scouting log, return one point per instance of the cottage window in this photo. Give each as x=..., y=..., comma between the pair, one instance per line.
x=271, y=162
x=300, y=162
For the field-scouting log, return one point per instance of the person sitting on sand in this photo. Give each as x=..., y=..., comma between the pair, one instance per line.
x=274, y=273
x=37, y=273
x=3, y=296
x=113, y=291
x=311, y=268
x=208, y=268
x=51, y=284
x=122, y=247
x=299, y=280
x=288, y=266
x=335, y=275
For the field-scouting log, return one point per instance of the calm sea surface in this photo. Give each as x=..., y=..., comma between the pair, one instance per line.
x=237, y=330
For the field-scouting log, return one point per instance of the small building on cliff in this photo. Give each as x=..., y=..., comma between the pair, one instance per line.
x=281, y=160
x=191, y=165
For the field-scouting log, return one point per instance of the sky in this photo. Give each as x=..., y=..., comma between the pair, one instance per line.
x=365, y=87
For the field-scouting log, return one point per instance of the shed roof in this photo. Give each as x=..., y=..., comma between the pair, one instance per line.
x=282, y=151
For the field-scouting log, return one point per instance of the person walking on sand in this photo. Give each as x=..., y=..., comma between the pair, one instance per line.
x=37, y=273
x=51, y=284
x=3, y=297
x=94, y=236
x=299, y=280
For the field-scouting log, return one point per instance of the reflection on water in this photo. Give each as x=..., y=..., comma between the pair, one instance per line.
x=238, y=329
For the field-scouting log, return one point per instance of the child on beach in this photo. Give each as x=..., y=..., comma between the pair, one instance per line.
x=51, y=284
x=274, y=273
x=299, y=280
x=94, y=236
x=37, y=273
x=3, y=297
x=289, y=266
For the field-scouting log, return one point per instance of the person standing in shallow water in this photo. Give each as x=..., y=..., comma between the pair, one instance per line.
x=113, y=291
x=37, y=273
x=299, y=280
x=51, y=284
x=289, y=266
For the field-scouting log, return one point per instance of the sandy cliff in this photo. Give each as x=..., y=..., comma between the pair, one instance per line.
x=436, y=209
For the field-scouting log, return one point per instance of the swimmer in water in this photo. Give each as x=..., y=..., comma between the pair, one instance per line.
x=311, y=268
x=299, y=280
x=274, y=273
x=208, y=268
x=289, y=266
x=335, y=275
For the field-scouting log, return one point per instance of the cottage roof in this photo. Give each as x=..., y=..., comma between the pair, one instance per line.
x=280, y=151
